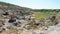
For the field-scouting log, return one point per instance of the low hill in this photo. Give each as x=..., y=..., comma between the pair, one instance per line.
x=7, y=6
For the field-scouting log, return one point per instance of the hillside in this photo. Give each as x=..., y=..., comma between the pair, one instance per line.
x=13, y=17
x=12, y=6
x=21, y=20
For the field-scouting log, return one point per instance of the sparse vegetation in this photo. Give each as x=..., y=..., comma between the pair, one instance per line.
x=20, y=18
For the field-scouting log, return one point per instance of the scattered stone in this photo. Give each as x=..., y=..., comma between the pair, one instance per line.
x=6, y=13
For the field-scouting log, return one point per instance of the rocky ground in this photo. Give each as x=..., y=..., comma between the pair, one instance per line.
x=19, y=20
x=27, y=24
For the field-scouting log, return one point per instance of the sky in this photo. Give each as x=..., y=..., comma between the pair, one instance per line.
x=36, y=4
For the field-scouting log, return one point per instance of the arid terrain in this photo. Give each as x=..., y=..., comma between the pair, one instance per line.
x=21, y=20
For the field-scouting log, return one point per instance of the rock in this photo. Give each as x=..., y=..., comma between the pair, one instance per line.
x=15, y=24
x=0, y=31
x=34, y=33
x=6, y=13
x=52, y=18
x=11, y=21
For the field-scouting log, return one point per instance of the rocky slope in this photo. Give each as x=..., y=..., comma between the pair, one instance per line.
x=20, y=20
x=13, y=17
